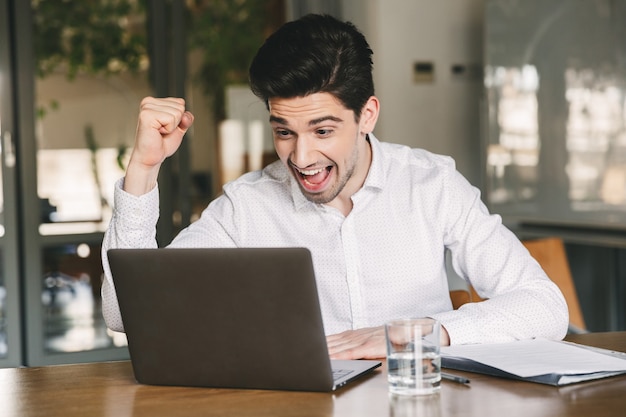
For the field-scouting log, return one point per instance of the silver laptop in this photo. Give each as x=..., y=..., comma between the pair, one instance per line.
x=227, y=318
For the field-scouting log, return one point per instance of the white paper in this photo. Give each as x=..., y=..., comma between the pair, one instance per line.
x=527, y=358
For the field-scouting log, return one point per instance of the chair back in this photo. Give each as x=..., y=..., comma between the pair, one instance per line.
x=551, y=256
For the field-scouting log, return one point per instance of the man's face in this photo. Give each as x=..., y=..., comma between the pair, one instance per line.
x=318, y=139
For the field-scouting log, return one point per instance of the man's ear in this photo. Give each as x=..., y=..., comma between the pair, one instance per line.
x=369, y=115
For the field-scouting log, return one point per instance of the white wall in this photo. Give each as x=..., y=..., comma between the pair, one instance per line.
x=442, y=116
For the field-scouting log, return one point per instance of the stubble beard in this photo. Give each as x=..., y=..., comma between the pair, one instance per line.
x=329, y=195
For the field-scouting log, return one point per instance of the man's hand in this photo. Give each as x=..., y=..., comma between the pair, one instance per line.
x=162, y=124
x=367, y=343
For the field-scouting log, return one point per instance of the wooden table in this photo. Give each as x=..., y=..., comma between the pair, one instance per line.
x=109, y=389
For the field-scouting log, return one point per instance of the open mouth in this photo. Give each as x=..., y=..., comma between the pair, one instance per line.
x=313, y=179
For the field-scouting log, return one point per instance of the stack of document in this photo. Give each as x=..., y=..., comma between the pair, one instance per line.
x=537, y=360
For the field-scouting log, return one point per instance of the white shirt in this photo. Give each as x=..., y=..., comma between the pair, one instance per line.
x=384, y=260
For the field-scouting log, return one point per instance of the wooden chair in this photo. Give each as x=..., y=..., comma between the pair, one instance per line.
x=460, y=297
x=550, y=254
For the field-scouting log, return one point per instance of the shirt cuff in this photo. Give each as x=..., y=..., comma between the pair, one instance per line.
x=461, y=329
x=136, y=211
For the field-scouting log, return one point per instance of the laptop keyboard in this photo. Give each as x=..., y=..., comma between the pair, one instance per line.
x=340, y=373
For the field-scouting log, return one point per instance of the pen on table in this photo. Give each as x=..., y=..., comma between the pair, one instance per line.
x=455, y=378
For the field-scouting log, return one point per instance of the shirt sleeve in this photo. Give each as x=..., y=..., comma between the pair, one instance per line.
x=133, y=225
x=522, y=302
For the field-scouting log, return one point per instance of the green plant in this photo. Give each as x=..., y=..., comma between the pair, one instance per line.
x=88, y=36
x=228, y=33
x=109, y=37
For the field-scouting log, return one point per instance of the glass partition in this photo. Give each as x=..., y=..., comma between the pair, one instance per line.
x=81, y=70
x=10, y=329
x=555, y=77
x=89, y=71
x=92, y=72
x=4, y=347
x=3, y=291
x=70, y=300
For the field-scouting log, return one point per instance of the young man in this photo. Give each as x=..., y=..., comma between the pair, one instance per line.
x=376, y=216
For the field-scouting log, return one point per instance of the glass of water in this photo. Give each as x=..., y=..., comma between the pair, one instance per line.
x=413, y=358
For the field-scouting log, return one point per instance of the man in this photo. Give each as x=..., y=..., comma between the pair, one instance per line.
x=376, y=216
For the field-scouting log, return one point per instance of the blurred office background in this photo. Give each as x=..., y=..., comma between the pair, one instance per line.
x=528, y=96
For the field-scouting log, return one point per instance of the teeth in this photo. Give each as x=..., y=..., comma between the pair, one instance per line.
x=311, y=172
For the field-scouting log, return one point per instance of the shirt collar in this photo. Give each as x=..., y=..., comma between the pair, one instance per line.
x=376, y=175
